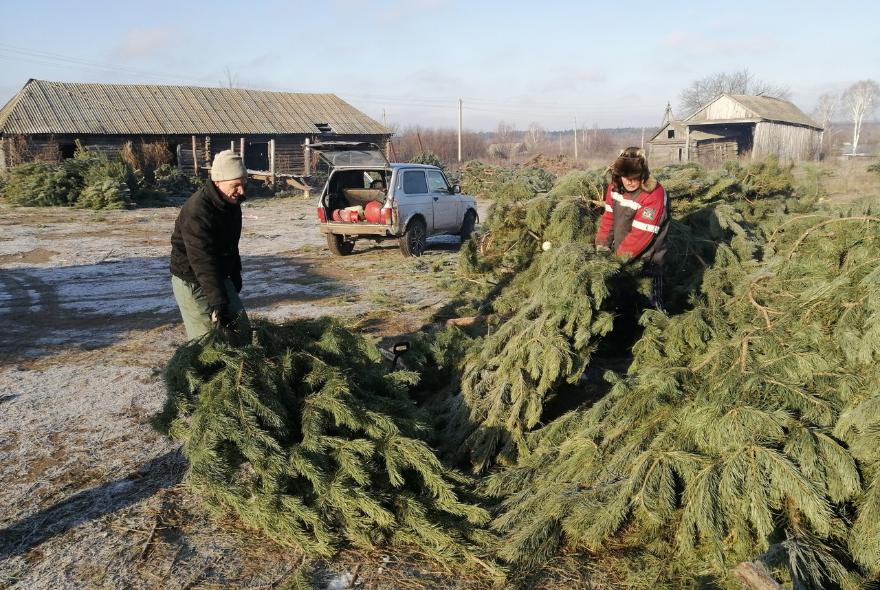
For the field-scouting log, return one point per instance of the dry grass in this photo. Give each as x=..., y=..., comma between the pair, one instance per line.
x=846, y=181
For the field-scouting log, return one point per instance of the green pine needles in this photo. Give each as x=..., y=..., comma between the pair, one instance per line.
x=742, y=425
x=306, y=436
x=547, y=320
x=734, y=434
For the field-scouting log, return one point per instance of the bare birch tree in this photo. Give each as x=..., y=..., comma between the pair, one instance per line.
x=860, y=100
x=503, y=139
x=504, y=132
x=825, y=109
x=743, y=81
x=535, y=136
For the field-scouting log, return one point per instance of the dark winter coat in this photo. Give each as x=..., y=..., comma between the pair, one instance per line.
x=204, y=244
x=636, y=224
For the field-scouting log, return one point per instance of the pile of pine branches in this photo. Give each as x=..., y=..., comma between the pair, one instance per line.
x=746, y=426
x=304, y=434
x=553, y=298
x=486, y=180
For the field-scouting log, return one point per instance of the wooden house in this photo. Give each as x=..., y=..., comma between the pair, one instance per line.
x=270, y=129
x=736, y=126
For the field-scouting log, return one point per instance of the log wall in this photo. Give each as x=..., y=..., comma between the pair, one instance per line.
x=662, y=154
x=289, y=148
x=788, y=142
x=714, y=151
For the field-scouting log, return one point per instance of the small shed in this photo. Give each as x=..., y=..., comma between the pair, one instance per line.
x=736, y=126
x=270, y=129
x=667, y=146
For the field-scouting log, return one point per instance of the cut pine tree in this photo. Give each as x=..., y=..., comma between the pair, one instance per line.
x=305, y=435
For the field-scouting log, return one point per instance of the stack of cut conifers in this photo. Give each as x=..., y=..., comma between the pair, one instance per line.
x=306, y=435
x=745, y=427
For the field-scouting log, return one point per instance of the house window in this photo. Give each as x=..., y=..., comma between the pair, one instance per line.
x=670, y=134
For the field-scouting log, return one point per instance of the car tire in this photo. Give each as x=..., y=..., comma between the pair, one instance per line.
x=415, y=238
x=467, y=225
x=338, y=245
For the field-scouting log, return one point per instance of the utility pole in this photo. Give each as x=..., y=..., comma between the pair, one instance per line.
x=575, y=138
x=459, y=131
x=643, y=138
x=384, y=118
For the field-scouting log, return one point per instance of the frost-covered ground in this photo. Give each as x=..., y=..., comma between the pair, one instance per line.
x=89, y=493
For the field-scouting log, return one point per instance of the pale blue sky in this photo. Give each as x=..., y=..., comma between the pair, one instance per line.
x=609, y=63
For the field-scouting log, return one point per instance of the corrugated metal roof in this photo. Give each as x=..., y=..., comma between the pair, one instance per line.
x=43, y=107
x=767, y=108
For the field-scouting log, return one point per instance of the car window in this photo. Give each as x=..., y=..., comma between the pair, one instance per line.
x=436, y=182
x=414, y=182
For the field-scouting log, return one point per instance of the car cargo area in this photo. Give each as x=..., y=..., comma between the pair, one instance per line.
x=358, y=196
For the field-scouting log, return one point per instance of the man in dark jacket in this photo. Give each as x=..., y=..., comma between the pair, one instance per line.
x=205, y=263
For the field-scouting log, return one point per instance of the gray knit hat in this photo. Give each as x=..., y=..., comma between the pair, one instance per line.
x=227, y=166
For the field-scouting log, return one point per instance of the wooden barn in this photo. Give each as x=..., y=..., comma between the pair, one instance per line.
x=270, y=129
x=736, y=126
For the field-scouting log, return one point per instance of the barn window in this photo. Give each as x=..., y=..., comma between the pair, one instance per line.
x=67, y=150
x=257, y=155
x=670, y=134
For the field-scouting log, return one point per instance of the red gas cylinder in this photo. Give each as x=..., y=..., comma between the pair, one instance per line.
x=336, y=216
x=373, y=212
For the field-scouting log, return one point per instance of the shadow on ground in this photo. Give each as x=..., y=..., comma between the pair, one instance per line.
x=435, y=244
x=23, y=535
x=94, y=305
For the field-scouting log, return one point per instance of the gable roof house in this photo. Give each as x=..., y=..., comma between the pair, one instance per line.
x=270, y=129
x=735, y=126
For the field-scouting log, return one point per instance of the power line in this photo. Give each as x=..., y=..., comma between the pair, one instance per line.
x=473, y=104
x=12, y=53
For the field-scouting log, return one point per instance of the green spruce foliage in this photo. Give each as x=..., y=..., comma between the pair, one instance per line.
x=485, y=180
x=548, y=317
x=92, y=180
x=305, y=435
x=429, y=158
x=41, y=184
x=743, y=424
x=732, y=435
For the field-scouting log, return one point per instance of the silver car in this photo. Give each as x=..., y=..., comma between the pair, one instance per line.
x=365, y=196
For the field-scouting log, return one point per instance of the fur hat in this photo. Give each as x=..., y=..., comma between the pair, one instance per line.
x=227, y=166
x=631, y=163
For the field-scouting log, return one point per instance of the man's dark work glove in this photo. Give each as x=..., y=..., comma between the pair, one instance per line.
x=221, y=317
x=236, y=282
x=227, y=325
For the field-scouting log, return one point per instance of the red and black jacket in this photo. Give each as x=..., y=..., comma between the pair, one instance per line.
x=636, y=224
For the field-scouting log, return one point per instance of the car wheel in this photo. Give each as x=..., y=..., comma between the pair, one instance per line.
x=338, y=245
x=467, y=226
x=414, y=239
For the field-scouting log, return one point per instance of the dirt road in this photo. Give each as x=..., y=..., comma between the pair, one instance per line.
x=90, y=495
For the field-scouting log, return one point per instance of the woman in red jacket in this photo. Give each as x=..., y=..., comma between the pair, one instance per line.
x=636, y=218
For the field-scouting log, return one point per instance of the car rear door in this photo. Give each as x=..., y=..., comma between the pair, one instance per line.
x=446, y=205
x=350, y=153
x=413, y=197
